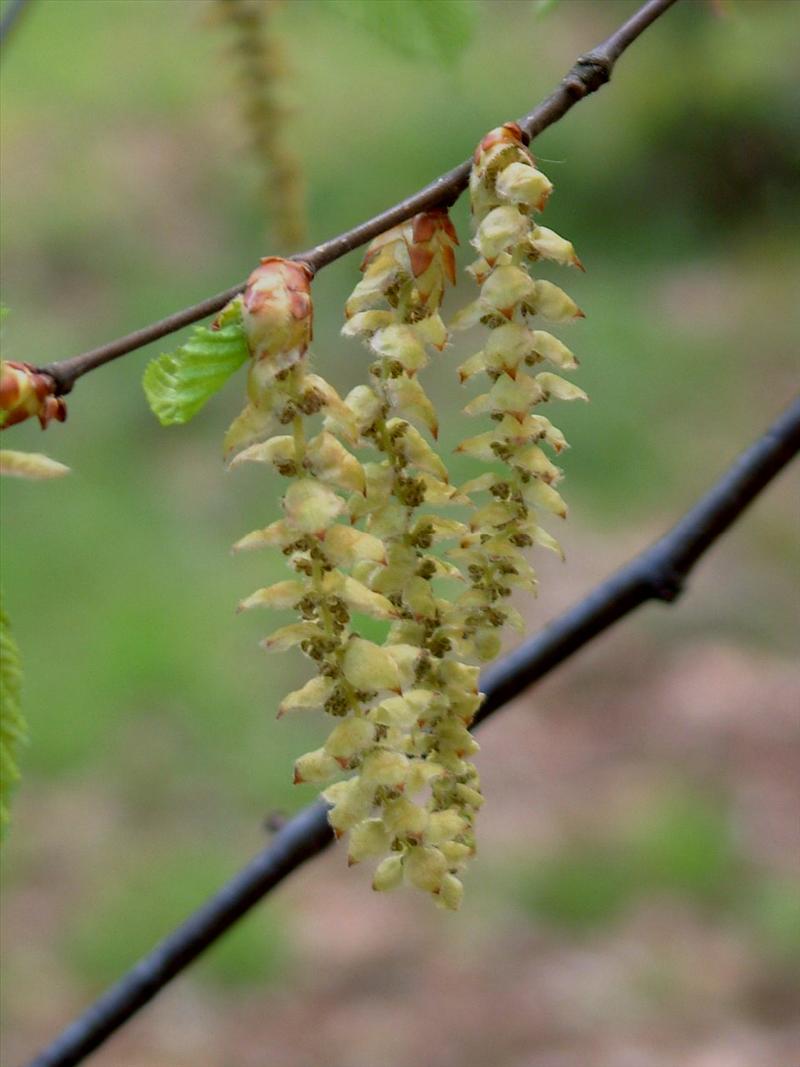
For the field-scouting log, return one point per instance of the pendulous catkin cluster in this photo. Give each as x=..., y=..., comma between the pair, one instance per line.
x=428, y=837
x=506, y=189
x=364, y=534
x=283, y=393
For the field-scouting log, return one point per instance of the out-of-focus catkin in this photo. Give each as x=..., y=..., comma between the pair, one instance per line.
x=260, y=62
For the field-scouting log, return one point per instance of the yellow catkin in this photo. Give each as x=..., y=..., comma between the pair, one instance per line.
x=506, y=191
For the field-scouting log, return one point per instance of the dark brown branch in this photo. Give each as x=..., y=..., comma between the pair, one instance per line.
x=588, y=74
x=659, y=573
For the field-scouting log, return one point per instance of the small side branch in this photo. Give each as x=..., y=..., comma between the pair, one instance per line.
x=587, y=75
x=11, y=17
x=659, y=573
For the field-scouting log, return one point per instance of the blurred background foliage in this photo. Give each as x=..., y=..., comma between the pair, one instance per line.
x=154, y=756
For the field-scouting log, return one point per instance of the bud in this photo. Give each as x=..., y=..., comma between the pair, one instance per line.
x=431, y=254
x=32, y=466
x=24, y=392
x=277, y=311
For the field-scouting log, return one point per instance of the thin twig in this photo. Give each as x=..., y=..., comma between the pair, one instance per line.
x=588, y=74
x=659, y=573
x=11, y=16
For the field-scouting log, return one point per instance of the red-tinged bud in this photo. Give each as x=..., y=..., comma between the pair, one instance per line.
x=431, y=238
x=426, y=224
x=24, y=392
x=277, y=309
x=408, y=265
x=508, y=133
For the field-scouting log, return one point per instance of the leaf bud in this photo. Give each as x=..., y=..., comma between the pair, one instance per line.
x=277, y=311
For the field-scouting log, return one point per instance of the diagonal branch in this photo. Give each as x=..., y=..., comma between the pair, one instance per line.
x=659, y=573
x=15, y=9
x=588, y=74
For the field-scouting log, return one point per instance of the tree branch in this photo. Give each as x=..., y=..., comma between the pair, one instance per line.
x=588, y=74
x=11, y=16
x=659, y=573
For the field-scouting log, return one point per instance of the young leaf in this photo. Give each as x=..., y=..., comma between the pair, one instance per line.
x=179, y=383
x=12, y=724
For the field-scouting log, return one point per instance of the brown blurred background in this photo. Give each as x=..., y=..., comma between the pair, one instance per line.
x=636, y=901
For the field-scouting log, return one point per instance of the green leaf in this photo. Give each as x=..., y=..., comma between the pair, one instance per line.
x=13, y=731
x=178, y=384
x=438, y=30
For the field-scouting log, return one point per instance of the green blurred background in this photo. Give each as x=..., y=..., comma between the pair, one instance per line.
x=637, y=900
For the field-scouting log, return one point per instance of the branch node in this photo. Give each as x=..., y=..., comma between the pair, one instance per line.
x=590, y=72
x=62, y=383
x=666, y=583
